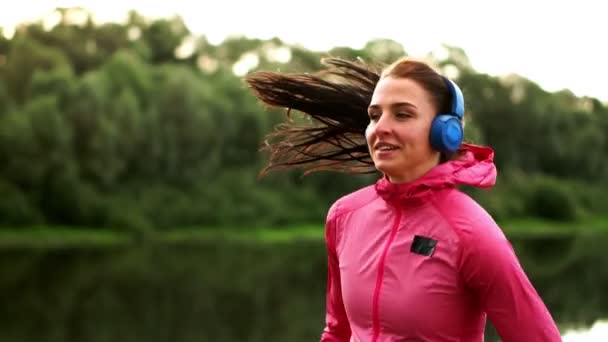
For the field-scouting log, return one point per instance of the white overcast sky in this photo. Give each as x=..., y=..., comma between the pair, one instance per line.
x=557, y=44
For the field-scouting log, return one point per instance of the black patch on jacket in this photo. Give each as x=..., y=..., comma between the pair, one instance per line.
x=423, y=245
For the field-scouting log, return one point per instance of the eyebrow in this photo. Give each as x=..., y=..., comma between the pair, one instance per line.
x=395, y=105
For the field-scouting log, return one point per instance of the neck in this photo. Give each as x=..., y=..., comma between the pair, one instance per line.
x=408, y=176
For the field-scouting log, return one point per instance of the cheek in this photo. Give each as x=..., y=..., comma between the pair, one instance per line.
x=369, y=132
x=421, y=135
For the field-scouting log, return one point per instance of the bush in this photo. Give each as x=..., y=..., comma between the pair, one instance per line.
x=502, y=201
x=15, y=207
x=517, y=195
x=124, y=214
x=551, y=199
x=591, y=197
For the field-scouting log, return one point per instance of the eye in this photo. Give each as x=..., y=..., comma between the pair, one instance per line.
x=403, y=115
x=374, y=116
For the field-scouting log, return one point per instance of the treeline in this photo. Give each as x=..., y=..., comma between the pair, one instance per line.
x=143, y=125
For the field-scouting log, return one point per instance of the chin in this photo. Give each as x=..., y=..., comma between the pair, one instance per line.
x=389, y=169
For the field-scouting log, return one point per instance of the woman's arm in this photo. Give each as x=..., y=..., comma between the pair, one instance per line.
x=490, y=267
x=337, y=328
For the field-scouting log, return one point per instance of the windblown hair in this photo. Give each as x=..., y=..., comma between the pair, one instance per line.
x=335, y=101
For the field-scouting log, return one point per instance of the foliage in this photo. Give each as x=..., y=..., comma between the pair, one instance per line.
x=143, y=126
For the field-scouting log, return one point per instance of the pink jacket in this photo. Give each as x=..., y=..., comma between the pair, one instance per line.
x=424, y=262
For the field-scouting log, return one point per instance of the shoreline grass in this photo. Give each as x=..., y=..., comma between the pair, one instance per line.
x=88, y=237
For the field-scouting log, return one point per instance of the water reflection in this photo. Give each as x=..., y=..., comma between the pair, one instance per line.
x=232, y=290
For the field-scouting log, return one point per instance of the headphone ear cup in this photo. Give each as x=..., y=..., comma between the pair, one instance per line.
x=446, y=133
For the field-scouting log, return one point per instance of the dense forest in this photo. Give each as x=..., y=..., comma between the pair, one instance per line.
x=143, y=125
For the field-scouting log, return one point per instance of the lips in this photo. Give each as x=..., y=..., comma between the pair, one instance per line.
x=382, y=146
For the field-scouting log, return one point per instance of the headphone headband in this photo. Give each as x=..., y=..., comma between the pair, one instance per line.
x=457, y=107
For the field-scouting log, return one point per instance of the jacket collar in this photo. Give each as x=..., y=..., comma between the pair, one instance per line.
x=475, y=167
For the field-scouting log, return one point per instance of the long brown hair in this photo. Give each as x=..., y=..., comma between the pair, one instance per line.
x=334, y=102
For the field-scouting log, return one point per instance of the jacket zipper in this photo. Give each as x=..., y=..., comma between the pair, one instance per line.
x=375, y=309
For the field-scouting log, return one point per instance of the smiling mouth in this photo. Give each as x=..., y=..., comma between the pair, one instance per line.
x=386, y=148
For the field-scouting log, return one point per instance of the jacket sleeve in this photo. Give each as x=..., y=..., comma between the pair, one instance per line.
x=337, y=328
x=490, y=267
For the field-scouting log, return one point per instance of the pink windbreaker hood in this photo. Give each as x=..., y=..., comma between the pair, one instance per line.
x=475, y=168
x=422, y=261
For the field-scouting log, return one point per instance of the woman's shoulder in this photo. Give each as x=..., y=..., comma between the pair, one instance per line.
x=465, y=215
x=346, y=204
x=352, y=201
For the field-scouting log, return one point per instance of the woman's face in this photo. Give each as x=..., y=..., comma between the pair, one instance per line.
x=401, y=113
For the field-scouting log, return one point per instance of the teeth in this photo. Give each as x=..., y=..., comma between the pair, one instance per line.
x=386, y=148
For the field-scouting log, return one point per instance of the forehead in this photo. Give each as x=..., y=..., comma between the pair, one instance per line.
x=391, y=90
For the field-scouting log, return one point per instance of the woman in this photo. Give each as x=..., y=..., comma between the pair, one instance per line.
x=410, y=258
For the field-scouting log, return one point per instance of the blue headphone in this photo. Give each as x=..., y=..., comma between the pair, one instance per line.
x=447, y=130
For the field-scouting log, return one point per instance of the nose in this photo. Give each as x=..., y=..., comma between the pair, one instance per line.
x=383, y=125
